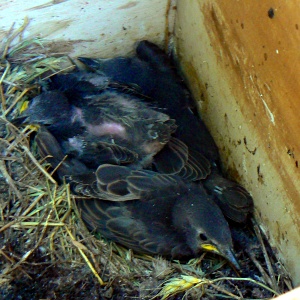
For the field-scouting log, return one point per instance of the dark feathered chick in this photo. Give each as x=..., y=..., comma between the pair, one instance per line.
x=175, y=158
x=166, y=217
x=146, y=211
x=97, y=123
x=154, y=73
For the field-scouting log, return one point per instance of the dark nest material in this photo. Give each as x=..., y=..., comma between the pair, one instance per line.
x=46, y=252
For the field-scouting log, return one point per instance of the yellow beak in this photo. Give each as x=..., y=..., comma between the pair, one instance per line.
x=210, y=248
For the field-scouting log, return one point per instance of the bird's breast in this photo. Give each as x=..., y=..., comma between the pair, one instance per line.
x=108, y=128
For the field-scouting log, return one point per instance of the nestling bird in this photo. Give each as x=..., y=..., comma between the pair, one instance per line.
x=144, y=175
x=154, y=73
x=154, y=213
x=93, y=116
x=111, y=125
x=176, y=157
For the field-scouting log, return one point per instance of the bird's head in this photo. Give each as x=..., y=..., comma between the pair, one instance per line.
x=203, y=225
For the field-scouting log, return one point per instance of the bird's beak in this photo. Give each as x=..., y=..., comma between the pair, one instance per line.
x=228, y=254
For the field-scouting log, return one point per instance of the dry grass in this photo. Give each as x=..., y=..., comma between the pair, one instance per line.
x=46, y=250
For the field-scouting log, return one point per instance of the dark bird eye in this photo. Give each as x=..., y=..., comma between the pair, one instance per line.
x=203, y=237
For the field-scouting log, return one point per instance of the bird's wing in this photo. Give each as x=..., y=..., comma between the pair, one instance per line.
x=234, y=200
x=120, y=223
x=120, y=183
x=97, y=152
x=172, y=158
x=196, y=168
x=177, y=158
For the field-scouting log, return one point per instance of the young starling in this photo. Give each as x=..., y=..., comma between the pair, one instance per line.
x=154, y=73
x=147, y=211
x=93, y=116
x=97, y=121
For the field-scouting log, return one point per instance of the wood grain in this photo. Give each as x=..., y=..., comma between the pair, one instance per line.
x=242, y=62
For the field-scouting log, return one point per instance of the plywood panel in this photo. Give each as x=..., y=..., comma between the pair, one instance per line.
x=92, y=28
x=242, y=59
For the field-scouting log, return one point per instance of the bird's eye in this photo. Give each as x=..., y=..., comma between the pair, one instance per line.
x=203, y=237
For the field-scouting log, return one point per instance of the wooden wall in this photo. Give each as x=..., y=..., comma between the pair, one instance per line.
x=242, y=59
x=95, y=28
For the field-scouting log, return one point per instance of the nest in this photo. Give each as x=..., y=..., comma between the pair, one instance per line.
x=45, y=249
